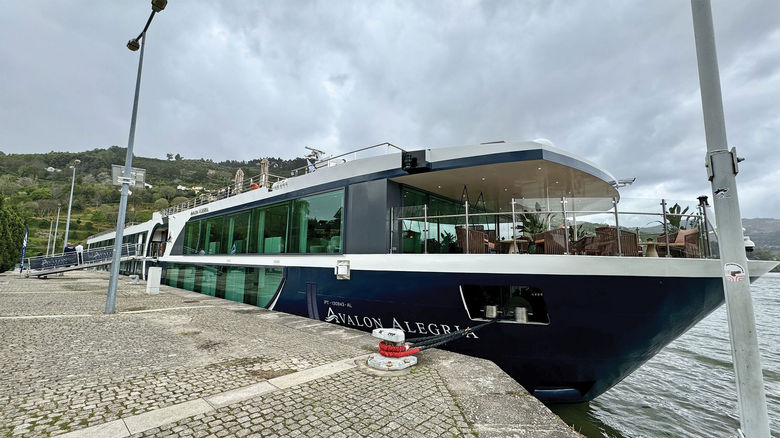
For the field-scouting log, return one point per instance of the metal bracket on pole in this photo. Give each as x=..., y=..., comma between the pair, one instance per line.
x=126, y=180
x=710, y=157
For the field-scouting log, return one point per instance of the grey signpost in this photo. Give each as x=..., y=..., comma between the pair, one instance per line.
x=722, y=170
x=126, y=179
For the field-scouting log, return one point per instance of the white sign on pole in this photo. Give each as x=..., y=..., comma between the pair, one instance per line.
x=137, y=176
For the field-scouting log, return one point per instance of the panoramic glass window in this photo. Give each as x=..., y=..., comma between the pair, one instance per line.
x=250, y=285
x=270, y=229
x=234, y=284
x=192, y=237
x=213, y=229
x=238, y=232
x=208, y=280
x=316, y=223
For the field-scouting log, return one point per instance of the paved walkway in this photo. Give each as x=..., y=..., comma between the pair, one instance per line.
x=185, y=364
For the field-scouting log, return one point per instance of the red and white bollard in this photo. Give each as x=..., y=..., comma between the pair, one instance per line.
x=394, y=354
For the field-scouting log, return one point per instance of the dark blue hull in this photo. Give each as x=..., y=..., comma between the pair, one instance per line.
x=600, y=329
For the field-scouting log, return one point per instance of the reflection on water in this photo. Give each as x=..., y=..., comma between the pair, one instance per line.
x=688, y=389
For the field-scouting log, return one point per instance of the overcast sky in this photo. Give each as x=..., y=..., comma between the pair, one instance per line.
x=615, y=82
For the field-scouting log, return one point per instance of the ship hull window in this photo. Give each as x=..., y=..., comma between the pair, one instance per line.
x=251, y=285
x=512, y=303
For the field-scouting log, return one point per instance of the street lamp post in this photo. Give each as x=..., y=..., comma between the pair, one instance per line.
x=48, y=242
x=70, y=203
x=56, y=226
x=157, y=6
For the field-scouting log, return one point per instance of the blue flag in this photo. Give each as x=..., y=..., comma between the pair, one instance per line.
x=24, y=248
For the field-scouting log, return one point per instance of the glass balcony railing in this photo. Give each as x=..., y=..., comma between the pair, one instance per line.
x=578, y=226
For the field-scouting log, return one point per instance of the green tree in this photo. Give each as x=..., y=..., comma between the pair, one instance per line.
x=179, y=200
x=161, y=204
x=11, y=235
x=40, y=193
x=97, y=216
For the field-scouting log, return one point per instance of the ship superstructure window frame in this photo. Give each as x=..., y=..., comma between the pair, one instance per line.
x=309, y=224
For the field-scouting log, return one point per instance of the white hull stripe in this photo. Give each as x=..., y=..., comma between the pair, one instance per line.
x=487, y=264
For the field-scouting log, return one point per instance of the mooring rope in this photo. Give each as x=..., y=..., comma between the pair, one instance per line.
x=417, y=345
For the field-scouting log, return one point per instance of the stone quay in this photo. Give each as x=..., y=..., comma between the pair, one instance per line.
x=182, y=364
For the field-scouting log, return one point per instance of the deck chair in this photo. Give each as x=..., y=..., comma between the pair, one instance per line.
x=607, y=242
x=476, y=238
x=554, y=241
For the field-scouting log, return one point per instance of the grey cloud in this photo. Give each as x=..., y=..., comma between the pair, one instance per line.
x=615, y=82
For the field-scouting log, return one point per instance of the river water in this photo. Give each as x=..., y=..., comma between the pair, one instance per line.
x=688, y=389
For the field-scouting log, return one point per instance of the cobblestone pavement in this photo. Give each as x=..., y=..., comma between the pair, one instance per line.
x=348, y=404
x=66, y=366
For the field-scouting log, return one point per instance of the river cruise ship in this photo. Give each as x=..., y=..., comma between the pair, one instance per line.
x=584, y=286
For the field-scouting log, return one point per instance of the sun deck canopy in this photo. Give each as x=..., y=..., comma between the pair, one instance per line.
x=504, y=171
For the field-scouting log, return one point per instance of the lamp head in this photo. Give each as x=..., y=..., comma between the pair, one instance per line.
x=133, y=44
x=159, y=5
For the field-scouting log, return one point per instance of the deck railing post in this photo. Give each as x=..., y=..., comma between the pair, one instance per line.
x=666, y=228
x=425, y=229
x=565, y=224
x=514, y=227
x=392, y=227
x=467, y=226
x=617, y=226
x=705, y=227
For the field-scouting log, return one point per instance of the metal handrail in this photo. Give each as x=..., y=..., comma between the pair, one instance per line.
x=236, y=188
x=66, y=256
x=245, y=185
x=327, y=160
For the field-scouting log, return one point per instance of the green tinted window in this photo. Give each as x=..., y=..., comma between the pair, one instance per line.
x=213, y=230
x=250, y=285
x=316, y=223
x=238, y=232
x=192, y=237
x=270, y=229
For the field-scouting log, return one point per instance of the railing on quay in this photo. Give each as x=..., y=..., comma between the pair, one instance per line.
x=89, y=257
x=528, y=220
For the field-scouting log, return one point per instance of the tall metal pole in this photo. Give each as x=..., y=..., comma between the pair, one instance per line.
x=120, y=219
x=48, y=242
x=722, y=169
x=70, y=204
x=56, y=226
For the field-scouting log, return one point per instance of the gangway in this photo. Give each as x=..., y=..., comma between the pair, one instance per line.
x=46, y=265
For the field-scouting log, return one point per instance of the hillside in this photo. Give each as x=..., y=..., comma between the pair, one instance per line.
x=764, y=232
x=35, y=184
